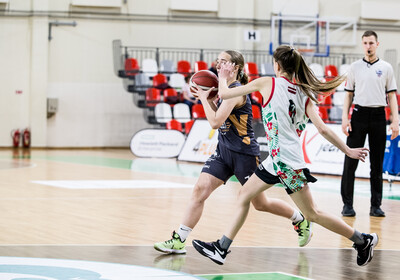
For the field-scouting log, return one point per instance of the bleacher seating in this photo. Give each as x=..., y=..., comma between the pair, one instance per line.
x=335, y=114
x=142, y=83
x=251, y=69
x=200, y=65
x=338, y=98
x=387, y=112
x=151, y=85
x=257, y=97
x=181, y=112
x=153, y=97
x=177, y=81
x=188, y=126
x=330, y=72
x=256, y=112
x=160, y=81
x=174, y=124
x=267, y=69
x=163, y=113
x=131, y=67
x=317, y=70
x=198, y=112
x=324, y=113
x=171, y=96
x=183, y=67
x=167, y=67
x=150, y=67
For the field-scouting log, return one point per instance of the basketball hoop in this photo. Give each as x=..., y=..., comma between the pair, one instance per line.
x=307, y=54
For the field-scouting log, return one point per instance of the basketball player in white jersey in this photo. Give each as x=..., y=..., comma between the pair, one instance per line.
x=288, y=104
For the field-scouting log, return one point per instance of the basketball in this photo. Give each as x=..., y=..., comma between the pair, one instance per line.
x=205, y=80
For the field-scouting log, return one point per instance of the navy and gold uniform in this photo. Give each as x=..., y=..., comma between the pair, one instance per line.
x=237, y=151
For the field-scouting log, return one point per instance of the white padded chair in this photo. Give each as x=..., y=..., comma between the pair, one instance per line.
x=163, y=113
x=338, y=98
x=149, y=67
x=267, y=69
x=343, y=70
x=167, y=67
x=318, y=70
x=182, y=112
x=176, y=81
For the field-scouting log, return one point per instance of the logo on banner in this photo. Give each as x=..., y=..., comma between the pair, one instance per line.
x=201, y=142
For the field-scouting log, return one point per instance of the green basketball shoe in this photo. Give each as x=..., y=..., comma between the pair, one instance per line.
x=172, y=246
x=304, y=230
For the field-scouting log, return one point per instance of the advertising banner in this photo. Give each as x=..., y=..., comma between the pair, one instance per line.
x=158, y=143
x=200, y=143
x=323, y=157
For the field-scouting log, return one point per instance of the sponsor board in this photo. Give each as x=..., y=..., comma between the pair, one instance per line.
x=323, y=157
x=260, y=135
x=158, y=143
x=200, y=143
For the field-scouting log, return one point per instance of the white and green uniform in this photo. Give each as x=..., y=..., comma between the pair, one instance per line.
x=284, y=117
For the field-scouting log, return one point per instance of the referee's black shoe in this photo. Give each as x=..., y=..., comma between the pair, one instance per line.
x=376, y=212
x=348, y=211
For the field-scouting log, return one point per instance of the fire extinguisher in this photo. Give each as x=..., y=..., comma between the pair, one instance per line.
x=26, y=138
x=16, y=136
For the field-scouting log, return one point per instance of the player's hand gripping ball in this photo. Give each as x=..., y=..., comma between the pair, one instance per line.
x=205, y=80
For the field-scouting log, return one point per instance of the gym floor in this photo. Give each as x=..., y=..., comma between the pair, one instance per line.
x=95, y=214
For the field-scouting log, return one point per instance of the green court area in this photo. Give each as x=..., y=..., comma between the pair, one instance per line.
x=252, y=276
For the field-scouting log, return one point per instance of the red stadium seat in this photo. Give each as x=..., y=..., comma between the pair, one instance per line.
x=184, y=67
x=171, y=96
x=257, y=97
x=330, y=72
x=174, y=124
x=325, y=100
x=131, y=67
x=387, y=112
x=256, y=112
x=153, y=97
x=160, y=80
x=200, y=65
x=251, y=69
x=198, y=112
x=323, y=112
x=188, y=126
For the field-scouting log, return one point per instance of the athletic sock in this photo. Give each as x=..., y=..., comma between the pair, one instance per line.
x=225, y=242
x=357, y=238
x=184, y=232
x=297, y=217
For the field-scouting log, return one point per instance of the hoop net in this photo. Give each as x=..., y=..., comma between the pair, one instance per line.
x=307, y=54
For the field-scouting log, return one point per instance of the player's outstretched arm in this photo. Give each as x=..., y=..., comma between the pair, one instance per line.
x=328, y=134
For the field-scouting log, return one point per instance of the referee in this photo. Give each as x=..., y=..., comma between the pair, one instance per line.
x=370, y=84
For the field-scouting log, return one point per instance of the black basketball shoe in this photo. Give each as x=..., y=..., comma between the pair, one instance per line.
x=211, y=250
x=365, y=251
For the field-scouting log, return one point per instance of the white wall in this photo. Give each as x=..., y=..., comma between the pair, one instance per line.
x=76, y=65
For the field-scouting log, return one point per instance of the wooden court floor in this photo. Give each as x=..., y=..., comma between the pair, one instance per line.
x=105, y=205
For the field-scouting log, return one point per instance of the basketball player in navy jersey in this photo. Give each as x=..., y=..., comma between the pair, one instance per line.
x=287, y=107
x=237, y=154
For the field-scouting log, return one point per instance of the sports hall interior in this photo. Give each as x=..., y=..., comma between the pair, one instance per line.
x=81, y=78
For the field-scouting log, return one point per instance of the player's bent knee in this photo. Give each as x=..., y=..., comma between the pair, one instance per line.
x=201, y=192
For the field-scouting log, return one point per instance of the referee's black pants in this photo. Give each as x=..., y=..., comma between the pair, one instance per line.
x=371, y=121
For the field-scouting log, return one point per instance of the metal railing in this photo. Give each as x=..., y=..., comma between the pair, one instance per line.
x=209, y=55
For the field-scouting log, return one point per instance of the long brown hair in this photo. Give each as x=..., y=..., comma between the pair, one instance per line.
x=292, y=63
x=238, y=59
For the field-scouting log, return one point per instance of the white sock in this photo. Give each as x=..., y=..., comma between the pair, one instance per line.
x=184, y=232
x=297, y=217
